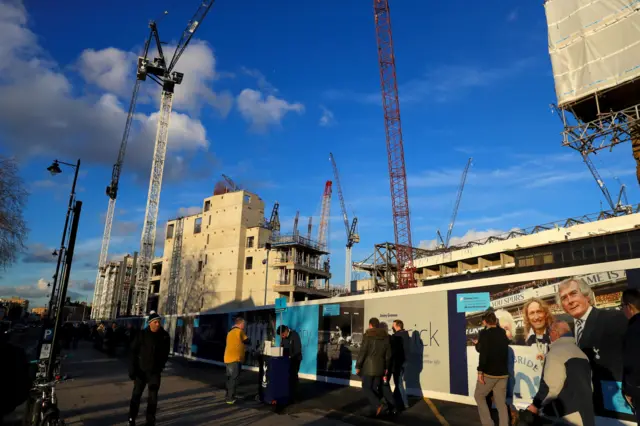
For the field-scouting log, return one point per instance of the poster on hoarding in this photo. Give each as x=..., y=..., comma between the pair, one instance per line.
x=210, y=337
x=426, y=320
x=260, y=326
x=526, y=310
x=304, y=320
x=341, y=327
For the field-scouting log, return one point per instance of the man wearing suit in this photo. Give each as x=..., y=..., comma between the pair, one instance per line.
x=599, y=333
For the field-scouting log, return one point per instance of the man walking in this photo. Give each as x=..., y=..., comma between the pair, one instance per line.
x=292, y=347
x=400, y=349
x=566, y=380
x=631, y=351
x=149, y=355
x=234, y=353
x=493, y=370
x=373, y=364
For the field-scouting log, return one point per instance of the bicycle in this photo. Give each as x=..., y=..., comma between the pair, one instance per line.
x=43, y=403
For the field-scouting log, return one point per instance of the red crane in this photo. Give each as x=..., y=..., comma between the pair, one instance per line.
x=395, y=148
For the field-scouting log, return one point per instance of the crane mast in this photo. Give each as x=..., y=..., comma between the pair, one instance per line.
x=323, y=229
x=176, y=264
x=352, y=236
x=452, y=222
x=395, y=147
x=164, y=75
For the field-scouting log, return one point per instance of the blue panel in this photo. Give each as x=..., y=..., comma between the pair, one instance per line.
x=331, y=310
x=179, y=322
x=281, y=303
x=194, y=349
x=473, y=302
x=613, y=398
x=458, y=380
x=304, y=320
x=196, y=322
x=353, y=366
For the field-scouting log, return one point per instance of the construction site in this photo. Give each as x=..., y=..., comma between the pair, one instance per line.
x=233, y=253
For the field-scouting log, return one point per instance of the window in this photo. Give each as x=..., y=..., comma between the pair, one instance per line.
x=209, y=219
x=247, y=199
x=207, y=238
x=170, y=231
x=197, y=225
x=205, y=259
x=250, y=242
x=248, y=264
x=207, y=205
x=199, y=265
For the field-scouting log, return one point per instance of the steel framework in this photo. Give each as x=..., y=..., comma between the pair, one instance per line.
x=323, y=229
x=395, y=148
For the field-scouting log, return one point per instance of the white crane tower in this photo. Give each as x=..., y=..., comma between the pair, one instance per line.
x=163, y=74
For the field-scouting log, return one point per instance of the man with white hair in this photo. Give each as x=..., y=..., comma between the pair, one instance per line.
x=598, y=332
x=566, y=380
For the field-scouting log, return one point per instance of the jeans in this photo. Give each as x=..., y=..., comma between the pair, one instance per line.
x=400, y=391
x=233, y=371
x=499, y=388
x=142, y=380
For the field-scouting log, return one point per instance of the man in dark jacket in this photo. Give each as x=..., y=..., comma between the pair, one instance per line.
x=631, y=350
x=493, y=370
x=14, y=370
x=566, y=380
x=374, y=361
x=291, y=347
x=400, y=350
x=149, y=354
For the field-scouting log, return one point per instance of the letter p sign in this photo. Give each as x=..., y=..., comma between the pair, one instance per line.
x=48, y=334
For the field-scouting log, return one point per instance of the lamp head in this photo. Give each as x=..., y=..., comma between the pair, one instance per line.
x=54, y=168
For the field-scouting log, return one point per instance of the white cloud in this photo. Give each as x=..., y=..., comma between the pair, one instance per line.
x=110, y=69
x=327, y=119
x=41, y=115
x=261, y=112
x=42, y=284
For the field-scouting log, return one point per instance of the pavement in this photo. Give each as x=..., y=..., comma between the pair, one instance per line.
x=192, y=393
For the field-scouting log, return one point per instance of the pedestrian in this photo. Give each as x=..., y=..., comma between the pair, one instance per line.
x=292, y=348
x=493, y=370
x=149, y=355
x=14, y=370
x=400, y=350
x=631, y=350
x=234, y=354
x=566, y=380
x=374, y=361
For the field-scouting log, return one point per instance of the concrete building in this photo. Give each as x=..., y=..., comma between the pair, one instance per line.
x=40, y=311
x=228, y=256
x=113, y=299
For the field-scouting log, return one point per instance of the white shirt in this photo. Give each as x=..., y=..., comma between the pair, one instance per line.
x=584, y=322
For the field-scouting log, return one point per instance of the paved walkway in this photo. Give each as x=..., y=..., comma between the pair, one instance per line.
x=192, y=394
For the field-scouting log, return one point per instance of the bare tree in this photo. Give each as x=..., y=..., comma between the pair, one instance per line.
x=13, y=197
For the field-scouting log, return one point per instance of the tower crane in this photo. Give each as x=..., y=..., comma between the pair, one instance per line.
x=295, y=224
x=395, y=147
x=162, y=73
x=621, y=205
x=309, y=227
x=112, y=189
x=323, y=229
x=456, y=206
x=352, y=233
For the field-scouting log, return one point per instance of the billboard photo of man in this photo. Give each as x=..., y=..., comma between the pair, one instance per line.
x=600, y=334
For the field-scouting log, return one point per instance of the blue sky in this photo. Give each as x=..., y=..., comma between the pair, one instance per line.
x=270, y=89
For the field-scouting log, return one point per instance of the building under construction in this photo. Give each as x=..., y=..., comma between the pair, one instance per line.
x=229, y=255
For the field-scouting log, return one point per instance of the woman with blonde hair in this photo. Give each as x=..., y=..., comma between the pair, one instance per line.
x=537, y=320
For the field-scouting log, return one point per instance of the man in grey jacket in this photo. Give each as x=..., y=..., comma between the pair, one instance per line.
x=565, y=390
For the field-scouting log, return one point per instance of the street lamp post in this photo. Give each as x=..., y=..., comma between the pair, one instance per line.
x=55, y=169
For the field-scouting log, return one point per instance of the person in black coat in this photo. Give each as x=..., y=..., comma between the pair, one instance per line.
x=598, y=332
x=14, y=370
x=292, y=347
x=149, y=355
x=373, y=364
x=400, y=350
x=631, y=351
